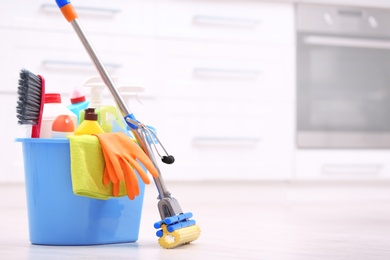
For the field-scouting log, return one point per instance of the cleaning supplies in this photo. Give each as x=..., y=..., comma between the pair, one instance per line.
x=51, y=109
x=62, y=127
x=78, y=102
x=107, y=114
x=90, y=124
x=31, y=91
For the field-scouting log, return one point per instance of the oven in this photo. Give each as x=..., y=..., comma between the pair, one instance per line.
x=343, y=77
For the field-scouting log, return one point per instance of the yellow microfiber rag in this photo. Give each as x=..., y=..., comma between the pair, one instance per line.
x=87, y=167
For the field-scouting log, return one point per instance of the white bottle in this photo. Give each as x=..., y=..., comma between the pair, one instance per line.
x=51, y=109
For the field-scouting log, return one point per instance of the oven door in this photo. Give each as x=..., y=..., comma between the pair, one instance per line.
x=343, y=92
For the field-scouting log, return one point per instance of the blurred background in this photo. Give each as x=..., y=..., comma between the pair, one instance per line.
x=237, y=90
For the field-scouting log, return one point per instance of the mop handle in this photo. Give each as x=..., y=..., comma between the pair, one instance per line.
x=69, y=13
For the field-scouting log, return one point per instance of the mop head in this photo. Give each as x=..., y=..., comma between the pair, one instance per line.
x=177, y=230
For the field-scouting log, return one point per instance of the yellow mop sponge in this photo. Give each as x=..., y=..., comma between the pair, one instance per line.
x=178, y=237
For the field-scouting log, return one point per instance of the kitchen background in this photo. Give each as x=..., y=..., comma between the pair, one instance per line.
x=220, y=81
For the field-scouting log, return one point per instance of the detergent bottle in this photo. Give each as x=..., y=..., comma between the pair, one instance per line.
x=78, y=102
x=51, y=109
x=90, y=124
x=62, y=127
x=108, y=115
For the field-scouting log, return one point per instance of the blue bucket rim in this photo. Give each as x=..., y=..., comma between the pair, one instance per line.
x=43, y=140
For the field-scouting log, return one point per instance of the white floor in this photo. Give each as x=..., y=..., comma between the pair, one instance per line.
x=238, y=221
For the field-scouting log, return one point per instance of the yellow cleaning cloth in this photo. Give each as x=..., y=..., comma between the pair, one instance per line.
x=87, y=167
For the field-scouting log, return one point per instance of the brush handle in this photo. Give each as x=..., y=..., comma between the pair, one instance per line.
x=36, y=129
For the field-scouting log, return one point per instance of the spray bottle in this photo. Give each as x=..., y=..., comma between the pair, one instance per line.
x=78, y=102
x=109, y=117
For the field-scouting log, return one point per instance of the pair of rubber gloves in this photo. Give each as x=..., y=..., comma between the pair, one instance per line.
x=120, y=154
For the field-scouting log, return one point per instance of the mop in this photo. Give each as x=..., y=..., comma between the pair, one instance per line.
x=175, y=228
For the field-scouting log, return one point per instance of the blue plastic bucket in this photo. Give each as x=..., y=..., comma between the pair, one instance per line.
x=58, y=217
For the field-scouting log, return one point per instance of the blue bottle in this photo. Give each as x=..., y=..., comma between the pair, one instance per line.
x=78, y=103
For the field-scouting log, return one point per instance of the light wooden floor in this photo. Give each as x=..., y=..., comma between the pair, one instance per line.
x=238, y=221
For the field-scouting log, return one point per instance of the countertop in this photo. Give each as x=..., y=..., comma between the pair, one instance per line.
x=238, y=221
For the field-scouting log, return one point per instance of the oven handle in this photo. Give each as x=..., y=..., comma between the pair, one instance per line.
x=346, y=42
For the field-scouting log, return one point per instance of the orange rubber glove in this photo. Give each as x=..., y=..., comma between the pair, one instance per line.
x=121, y=154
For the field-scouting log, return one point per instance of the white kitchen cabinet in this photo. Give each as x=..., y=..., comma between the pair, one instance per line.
x=225, y=110
x=228, y=140
x=108, y=17
x=224, y=20
x=218, y=70
x=219, y=76
x=61, y=59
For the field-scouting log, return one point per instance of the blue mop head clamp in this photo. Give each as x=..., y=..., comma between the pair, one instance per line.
x=175, y=223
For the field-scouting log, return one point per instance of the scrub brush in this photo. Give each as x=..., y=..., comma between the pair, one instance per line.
x=176, y=227
x=31, y=98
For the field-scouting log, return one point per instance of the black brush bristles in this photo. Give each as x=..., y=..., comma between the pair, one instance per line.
x=28, y=107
